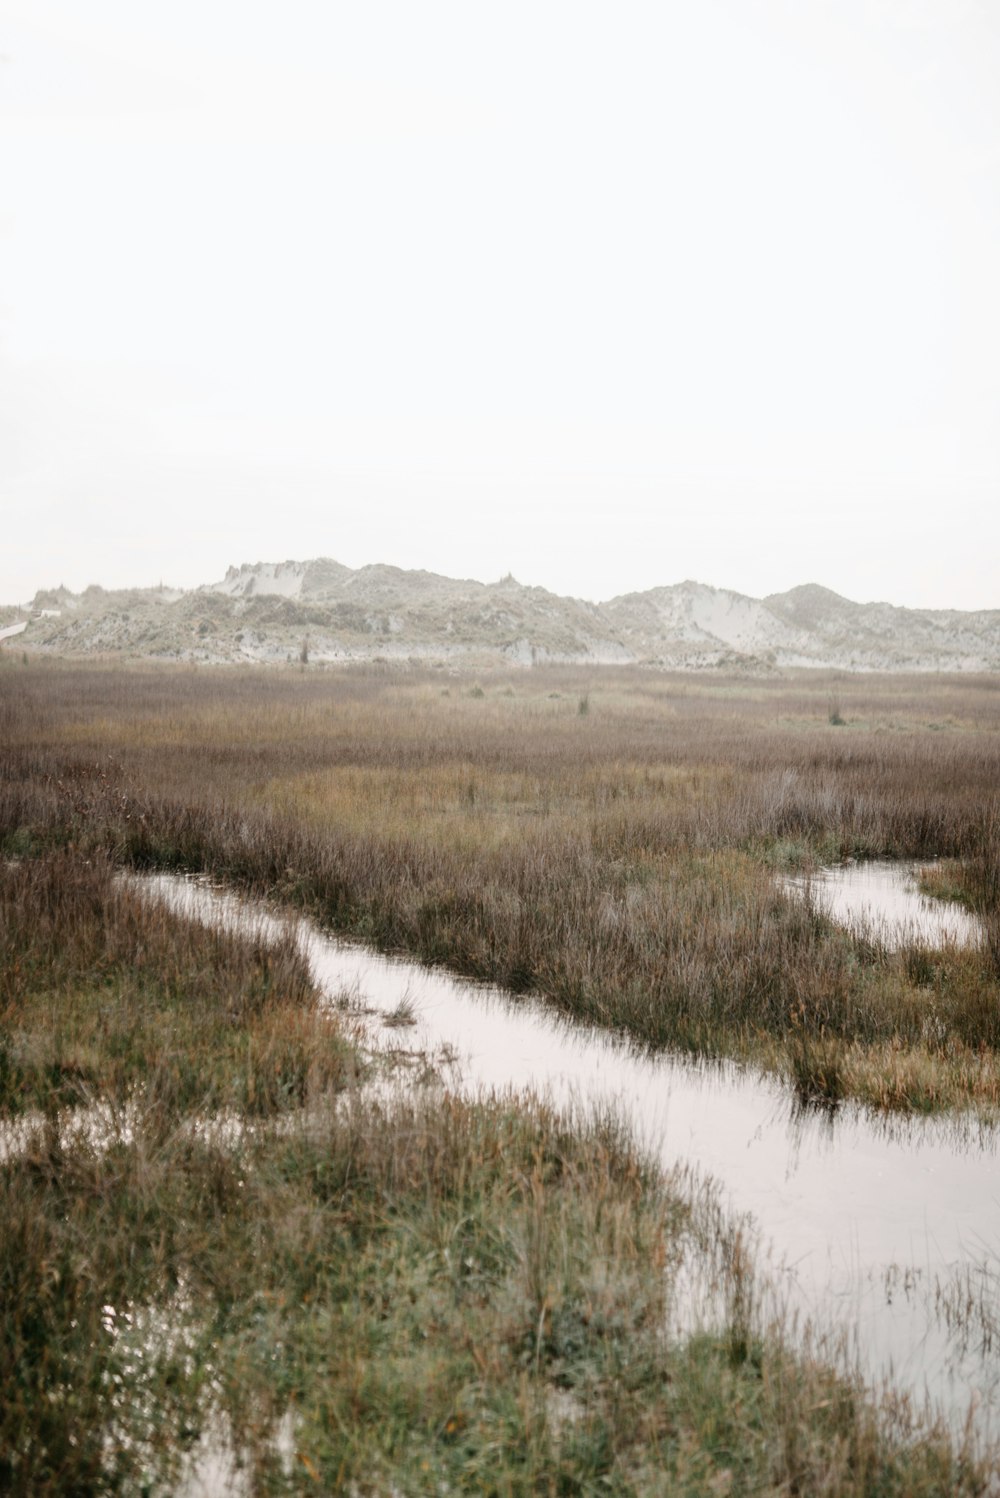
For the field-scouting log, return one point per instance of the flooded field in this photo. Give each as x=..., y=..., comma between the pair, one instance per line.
x=881, y=1233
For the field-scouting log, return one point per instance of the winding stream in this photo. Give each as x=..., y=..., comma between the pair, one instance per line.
x=885, y=1232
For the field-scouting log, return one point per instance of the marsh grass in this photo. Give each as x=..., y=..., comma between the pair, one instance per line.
x=464, y=1294
x=946, y=880
x=621, y=866
x=406, y=1292
x=976, y=884
x=106, y=996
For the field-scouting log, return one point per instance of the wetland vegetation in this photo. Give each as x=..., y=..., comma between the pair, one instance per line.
x=219, y=1245
x=620, y=862
x=212, y=1220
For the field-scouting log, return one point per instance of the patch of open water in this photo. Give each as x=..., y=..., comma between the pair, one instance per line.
x=883, y=898
x=881, y=1230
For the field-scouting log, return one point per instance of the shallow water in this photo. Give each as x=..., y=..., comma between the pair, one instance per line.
x=883, y=898
x=882, y=1231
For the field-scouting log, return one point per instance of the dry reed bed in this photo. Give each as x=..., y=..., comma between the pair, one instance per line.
x=605, y=839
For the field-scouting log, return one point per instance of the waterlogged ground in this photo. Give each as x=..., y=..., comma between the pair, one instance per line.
x=883, y=898
x=881, y=1234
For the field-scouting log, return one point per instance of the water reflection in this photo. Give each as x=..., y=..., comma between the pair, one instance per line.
x=883, y=899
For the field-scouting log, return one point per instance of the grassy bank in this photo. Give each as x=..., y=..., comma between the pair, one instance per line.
x=607, y=839
x=212, y=1232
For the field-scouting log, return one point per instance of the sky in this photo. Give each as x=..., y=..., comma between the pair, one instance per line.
x=607, y=295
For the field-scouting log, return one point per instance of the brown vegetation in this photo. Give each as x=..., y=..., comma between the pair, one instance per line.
x=619, y=861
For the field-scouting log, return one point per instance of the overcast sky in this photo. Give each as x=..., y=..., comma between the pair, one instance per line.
x=604, y=294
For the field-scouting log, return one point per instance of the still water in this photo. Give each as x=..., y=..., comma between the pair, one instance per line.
x=883, y=898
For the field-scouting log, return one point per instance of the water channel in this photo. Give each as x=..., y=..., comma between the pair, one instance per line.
x=883, y=899
x=887, y=1232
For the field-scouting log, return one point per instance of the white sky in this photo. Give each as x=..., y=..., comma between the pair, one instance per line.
x=605, y=294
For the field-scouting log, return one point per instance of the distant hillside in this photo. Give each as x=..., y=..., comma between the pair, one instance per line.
x=327, y=612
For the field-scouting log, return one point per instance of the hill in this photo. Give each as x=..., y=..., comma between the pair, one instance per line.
x=323, y=610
